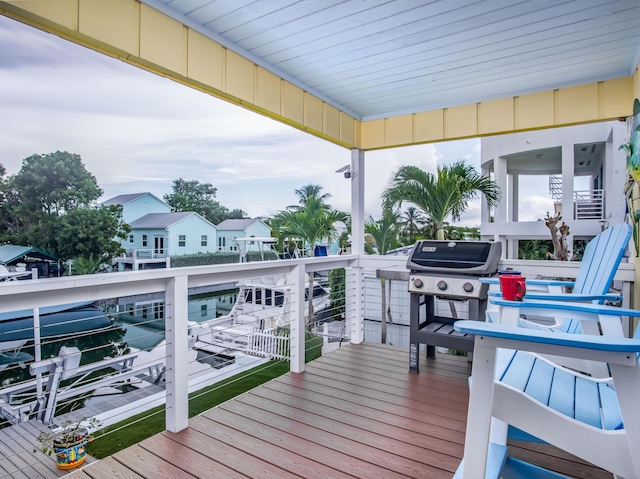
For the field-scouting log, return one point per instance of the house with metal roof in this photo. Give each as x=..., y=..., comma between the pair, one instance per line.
x=136, y=205
x=174, y=234
x=157, y=233
x=230, y=229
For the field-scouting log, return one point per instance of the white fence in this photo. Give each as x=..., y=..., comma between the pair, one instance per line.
x=268, y=344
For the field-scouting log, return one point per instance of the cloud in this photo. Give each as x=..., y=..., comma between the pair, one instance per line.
x=137, y=131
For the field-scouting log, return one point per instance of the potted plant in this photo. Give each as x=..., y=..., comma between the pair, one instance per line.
x=69, y=441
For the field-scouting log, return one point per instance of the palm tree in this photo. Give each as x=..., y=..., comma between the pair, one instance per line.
x=411, y=219
x=307, y=192
x=442, y=196
x=310, y=223
x=383, y=234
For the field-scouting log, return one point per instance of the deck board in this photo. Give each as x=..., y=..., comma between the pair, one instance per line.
x=356, y=412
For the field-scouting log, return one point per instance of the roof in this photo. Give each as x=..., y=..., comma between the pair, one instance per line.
x=376, y=59
x=10, y=253
x=236, y=224
x=124, y=199
x=163, y=220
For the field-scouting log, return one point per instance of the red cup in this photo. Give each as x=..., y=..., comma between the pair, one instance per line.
x=513, y=287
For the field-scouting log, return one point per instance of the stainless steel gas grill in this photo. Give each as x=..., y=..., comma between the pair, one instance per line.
x=449, y=271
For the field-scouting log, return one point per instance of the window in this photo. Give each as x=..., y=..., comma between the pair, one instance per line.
x=203, y=240
x=203, y=311
x=130, y=238
x=144, y=240
x=182, y=240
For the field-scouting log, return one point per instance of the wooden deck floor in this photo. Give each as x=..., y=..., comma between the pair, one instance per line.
x=356, y=412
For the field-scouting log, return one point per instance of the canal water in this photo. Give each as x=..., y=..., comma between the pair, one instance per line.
x=138, y=325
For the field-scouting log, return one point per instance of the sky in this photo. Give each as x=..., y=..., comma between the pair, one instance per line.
x=137, y=132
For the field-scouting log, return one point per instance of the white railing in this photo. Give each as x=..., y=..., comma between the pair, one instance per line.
x=588, y=204
x=175, y=284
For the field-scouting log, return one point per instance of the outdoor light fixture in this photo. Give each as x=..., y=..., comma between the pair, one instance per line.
x=346, y=170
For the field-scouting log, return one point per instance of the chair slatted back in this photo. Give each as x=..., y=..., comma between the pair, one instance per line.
x=601, y=259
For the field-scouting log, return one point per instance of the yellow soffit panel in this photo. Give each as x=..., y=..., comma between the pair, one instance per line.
x=592, y=102
x=139, y=35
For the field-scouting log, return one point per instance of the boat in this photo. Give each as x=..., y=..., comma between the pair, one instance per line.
x=262, y=309
x=62, y=320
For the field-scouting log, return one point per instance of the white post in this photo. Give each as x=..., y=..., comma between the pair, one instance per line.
x=354, y=281
x=297, y=328
x=357, y=201
x=37, y=343
x=568, y=204
x=177, y=381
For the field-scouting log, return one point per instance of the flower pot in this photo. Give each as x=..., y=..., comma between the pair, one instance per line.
x=71, y=453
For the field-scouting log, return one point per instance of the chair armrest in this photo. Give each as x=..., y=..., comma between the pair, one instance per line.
x=566, y=308
x=534, y=282
x=581, y=341
x=574, y=298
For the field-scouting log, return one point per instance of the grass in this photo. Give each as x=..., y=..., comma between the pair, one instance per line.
x=137, y=428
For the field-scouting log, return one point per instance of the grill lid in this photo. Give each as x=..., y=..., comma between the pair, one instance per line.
x=459, y=257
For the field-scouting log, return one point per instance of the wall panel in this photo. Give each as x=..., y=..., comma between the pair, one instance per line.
x=116, y=22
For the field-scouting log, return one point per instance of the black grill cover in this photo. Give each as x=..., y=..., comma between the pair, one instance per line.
x=477, y=258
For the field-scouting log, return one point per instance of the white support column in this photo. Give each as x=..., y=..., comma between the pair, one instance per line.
x=357, y=201
x=500, y=169
x=567, y=189
x=177, y=380
x=297, y=329
x=354, y=281
x=485, y=214
x=514, y=188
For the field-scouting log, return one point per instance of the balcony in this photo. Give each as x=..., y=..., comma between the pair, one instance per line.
x=355, y=412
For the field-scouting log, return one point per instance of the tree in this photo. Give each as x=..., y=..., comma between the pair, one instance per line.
x=53, y=184
x=384, y=235
x=442, y=196
x=309, y=223
x=49, y=204
x=309, y=191
x=411, y=221
x=191, y=195
x=88, y=232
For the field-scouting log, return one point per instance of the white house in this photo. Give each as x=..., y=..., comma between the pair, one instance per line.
x=173, y=234
x=136, y=205
x=229, y=230
x=157, y=233
x=583, y=173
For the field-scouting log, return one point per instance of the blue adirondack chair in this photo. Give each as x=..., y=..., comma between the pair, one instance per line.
x=594, y=419
x=599, y=264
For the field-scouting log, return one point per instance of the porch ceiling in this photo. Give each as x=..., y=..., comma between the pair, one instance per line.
x=380, y=58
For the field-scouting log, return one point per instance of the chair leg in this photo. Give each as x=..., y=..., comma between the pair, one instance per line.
x=480, y=410
x=499, y=431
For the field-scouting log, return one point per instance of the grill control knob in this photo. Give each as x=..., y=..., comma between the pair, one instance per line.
x=417, y=282
x=467, y=287
x=442, y=285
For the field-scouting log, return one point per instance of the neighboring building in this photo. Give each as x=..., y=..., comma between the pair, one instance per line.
x=136, y=205
x=586, y=174
x=173, y=234
x=157, y=233
x=229, y=230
